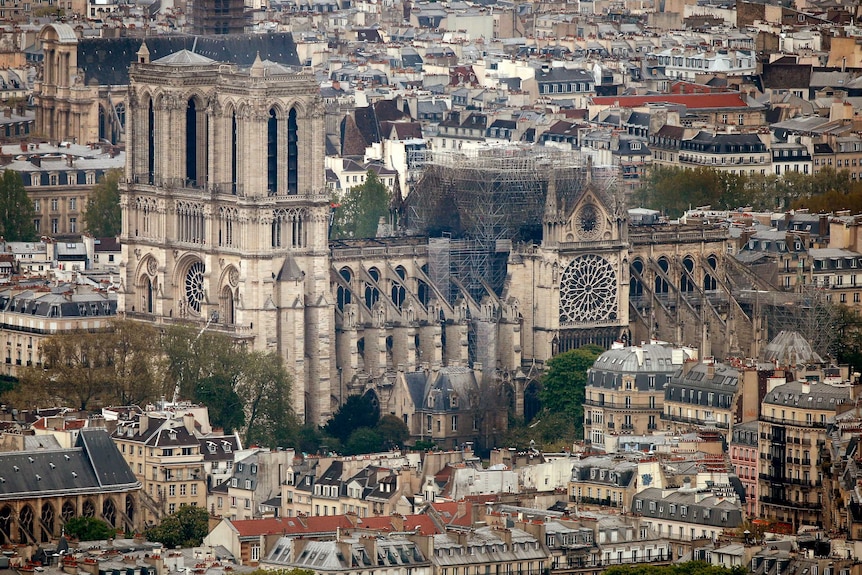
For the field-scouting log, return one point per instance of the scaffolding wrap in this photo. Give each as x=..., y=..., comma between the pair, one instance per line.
x=483, y=200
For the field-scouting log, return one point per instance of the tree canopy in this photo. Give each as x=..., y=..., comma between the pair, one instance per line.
x=102, y=217
x=17, y=214
x=358, y=411
x=361, y=208
x=564, y=382
x=673, y=190
x=134, y=363
x=185, y=528
x=687, y=568
x=84, y=368
x=88, y=529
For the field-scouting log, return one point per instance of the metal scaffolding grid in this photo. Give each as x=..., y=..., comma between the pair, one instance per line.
x=492, y=193
x=807, y=311
x=482, y=200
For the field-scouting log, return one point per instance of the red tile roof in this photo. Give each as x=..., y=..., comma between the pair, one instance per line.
x=691, y=101
x=411, y=522
x=448, y=511
x=291, y=525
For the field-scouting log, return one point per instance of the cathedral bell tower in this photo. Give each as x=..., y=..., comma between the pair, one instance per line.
x=225, y=210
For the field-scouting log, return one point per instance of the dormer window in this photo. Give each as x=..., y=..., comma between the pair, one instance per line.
x=211, y=447
x=226, y=446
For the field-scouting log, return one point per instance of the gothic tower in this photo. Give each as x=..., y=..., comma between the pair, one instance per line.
x=225, y=210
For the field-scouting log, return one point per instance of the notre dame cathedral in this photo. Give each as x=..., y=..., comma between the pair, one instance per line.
x=226, y=219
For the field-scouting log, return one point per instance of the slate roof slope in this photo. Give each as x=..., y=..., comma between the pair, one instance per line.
x=105, y=61
x=94, y=464
x=110, y=467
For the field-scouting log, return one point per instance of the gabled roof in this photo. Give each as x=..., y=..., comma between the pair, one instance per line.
x=93, y=465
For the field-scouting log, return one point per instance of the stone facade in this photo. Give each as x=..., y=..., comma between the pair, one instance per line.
x=225, y=210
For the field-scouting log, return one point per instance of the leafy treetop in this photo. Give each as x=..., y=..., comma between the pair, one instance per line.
x=185, y=528
x=16, y=210
x=102, y=216
x=361, y=209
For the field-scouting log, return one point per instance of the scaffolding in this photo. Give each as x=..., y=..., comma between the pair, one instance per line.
x=478, y=202
x=491, y=193
x=806, y=311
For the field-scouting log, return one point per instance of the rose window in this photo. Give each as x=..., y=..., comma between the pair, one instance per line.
x=195, y=286
x=588, y=291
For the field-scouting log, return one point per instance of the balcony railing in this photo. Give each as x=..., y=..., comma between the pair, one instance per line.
x=790, y=504
x=793, y=422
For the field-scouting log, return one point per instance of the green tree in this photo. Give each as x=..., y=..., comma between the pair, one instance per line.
x=361, y=209
x=363, y=440
x=16, y=210
x=547, y=432
x=294, y=571
x=687, y=568
x=358, y=411
x=564, y=382
x=393, y=432
x=136, y=365
x=88, y=529
x=102, y=216
x=223, y=403
x=76, y=370
x=185, y=528
x=117, y=366
x=192, y=355
x=265, y=390
x=847, y=344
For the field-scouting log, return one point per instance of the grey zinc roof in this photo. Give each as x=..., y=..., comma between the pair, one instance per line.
x=184, y=58
x=642, y=362
x=489, y=546
x=650, y=357
x=820, y=395
x=449, y=381
x=701, y=509
x=94, y=464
